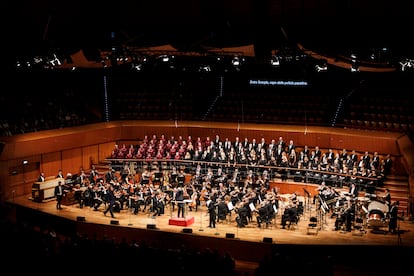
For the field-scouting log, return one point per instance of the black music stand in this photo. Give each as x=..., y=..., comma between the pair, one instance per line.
x=307, y=201
x=181, y=180
x=157, y=178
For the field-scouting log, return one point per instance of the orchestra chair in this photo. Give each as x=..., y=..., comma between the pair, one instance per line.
x=359, y=229
x=312, y=226
x=293, y=222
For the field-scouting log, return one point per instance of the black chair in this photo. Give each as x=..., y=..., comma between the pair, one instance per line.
x=312, y=226
x=359, y=228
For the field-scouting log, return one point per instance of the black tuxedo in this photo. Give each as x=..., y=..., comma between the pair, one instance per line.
x=59, y=193
x=110, y=198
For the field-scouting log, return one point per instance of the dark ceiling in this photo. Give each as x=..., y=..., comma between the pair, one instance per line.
x=326, y=25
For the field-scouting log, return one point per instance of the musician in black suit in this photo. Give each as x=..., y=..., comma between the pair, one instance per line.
x=387, y=198
x=110, y=198
x=59, y=193
x=41, y=177
x=179, y=198
x=212, y=212
x=263, y=214
x=290, y=214
x=392, y=224
x=353, y=190
x=242, y=210
x=60, y=174
x=222, y=210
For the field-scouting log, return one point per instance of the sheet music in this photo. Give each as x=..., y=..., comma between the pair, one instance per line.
x=230, y=205
x=252, y=207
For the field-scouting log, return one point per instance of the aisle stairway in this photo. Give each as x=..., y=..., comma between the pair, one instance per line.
x=399, y=189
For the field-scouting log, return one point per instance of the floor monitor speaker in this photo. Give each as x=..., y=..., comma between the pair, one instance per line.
x=267, y=240
x=151, y=226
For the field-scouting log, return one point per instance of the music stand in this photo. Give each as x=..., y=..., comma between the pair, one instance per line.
x=201, y=222
x=307, y=202
x=181, y=180
x=130, y=210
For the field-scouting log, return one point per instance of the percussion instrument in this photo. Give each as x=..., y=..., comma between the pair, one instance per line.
x=376, y=214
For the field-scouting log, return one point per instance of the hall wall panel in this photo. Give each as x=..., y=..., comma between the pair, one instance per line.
x=89, y=155
x=72, y=148
x=71, y=161
x=51, y=163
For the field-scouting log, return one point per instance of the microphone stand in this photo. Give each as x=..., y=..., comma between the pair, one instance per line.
x=130, y=211
x=201, y=222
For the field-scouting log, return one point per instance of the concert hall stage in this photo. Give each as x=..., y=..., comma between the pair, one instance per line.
x=249, y=244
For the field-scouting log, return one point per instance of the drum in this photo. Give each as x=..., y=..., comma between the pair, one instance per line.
x=376, y=214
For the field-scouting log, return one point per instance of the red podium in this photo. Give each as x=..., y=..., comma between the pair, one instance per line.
x=187, y=221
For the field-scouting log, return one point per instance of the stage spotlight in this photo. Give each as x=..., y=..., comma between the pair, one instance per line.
x=321, y=65
x=165, y=58
x=354, y=67
x=204, y=68
x=237, y=61
x=275, y=61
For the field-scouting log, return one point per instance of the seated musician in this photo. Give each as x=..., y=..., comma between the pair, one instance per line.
x=79, y=194
x=294, y=198
x=345, y=217
x=121, y=199
x=290, y=215
x=242, y=210
x=222, y=209
x=135, y=201
x=97, y=197
x=145, y=177
x=264, y=215
x=157, y=203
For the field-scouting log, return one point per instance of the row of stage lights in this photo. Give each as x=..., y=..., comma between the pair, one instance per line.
x=196, y=63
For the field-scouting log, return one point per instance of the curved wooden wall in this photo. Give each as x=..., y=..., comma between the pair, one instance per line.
x=70, y=149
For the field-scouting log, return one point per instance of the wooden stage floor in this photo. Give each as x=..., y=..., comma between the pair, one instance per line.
x=298, y=235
